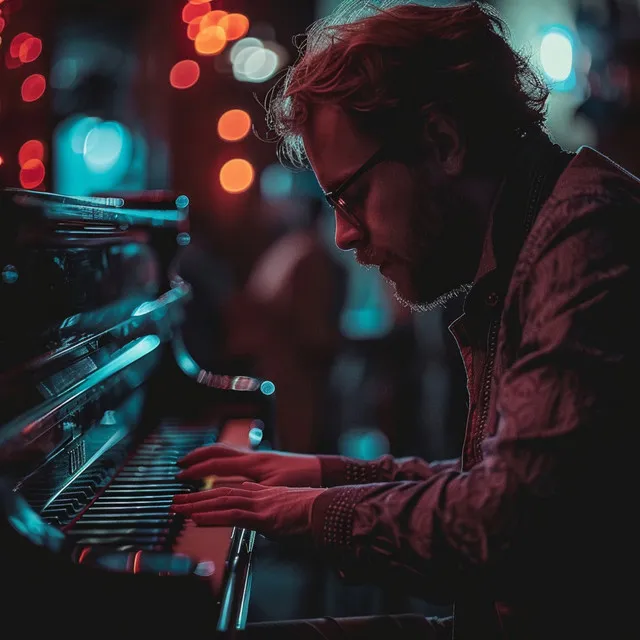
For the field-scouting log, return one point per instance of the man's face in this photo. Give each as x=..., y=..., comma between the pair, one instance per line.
x=414, y=222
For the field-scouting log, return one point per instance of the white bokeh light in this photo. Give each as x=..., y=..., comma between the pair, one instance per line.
x=556, y=55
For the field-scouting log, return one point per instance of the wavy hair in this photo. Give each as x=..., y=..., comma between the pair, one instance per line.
x=385, y=63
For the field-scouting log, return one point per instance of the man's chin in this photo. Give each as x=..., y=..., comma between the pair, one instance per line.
x=425, y=300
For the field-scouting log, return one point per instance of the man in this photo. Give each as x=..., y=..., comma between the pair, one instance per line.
x=426, y=131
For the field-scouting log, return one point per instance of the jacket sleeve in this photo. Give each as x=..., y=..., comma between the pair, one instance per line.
x=567, y=378
x=340, y=470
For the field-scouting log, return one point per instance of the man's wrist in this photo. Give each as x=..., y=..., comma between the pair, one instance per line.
x=339, y=471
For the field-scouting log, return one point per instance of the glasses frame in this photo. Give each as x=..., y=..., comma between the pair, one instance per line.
x=334, y=198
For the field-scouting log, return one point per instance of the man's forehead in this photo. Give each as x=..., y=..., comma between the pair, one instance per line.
x=334, y=145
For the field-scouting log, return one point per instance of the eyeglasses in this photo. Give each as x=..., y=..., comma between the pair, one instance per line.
x=335, y=199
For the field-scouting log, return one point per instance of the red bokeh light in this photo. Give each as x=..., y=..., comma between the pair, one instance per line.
x=32, y=174
x=184, y=74
x=30, y=49
x=33, y=87
x=191, y=11
x=17, y=42
x=31, y=150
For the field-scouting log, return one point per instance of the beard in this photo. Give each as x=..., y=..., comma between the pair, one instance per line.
x=445, y=245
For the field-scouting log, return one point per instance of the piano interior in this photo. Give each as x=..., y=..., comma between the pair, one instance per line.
x=99, y=398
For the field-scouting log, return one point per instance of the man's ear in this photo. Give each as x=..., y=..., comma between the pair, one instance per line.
x=443, y=134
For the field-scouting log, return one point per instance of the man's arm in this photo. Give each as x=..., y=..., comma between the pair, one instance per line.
x=558, y=404
x=340, y=470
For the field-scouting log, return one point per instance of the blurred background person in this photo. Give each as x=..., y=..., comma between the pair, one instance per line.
x=285, y=322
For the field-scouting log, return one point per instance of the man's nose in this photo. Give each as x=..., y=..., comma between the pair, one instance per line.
x=348, y=236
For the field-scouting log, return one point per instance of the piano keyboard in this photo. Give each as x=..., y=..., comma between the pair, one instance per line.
x=124, y=506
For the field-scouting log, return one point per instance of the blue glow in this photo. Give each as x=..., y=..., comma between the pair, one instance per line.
x=183, y=239
x=255, y=436
x=268, y=388
x=363, y=444
x=9, y=274
x=92, y=155
x=276, y=182
x=182, y=202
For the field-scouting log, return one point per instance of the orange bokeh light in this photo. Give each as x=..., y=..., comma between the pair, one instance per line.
x=235, y=25
x=210, y=41
x=33, y=87
x=16, y=43
x=30, y=49
x=234, y=125
x=31, y=150
x=32, y=174
x=236, y=175
x=192, y=10
x=212, y=19
x=184, y=74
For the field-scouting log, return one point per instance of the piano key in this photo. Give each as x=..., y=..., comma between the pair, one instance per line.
x=157, y=533
x=88, y=522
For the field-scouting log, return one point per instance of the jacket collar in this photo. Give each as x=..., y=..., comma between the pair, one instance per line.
x=533, y=172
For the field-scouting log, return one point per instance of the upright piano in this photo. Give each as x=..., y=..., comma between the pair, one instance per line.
x=98, y=400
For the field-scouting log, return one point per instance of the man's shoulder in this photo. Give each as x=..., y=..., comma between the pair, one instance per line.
x=594, y=201
x=592, y=176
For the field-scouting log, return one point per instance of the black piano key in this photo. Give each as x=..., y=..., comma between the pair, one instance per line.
x=89, y=515
x=128, y=504
x=120, y=511
x=134, y=542
x=87, y=523
x=157, y=533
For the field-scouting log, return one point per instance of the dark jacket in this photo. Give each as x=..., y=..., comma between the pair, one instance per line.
x=529, y=533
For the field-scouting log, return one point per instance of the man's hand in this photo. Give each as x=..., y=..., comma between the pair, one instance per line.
x=235, y=464
x=272, y=511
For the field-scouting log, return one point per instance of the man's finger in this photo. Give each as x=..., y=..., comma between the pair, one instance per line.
x=212, y=451
x=253, y=486
x=230, y=466
x=225, y=501
x=213, y=482
x=209, y=494
x=228, y=518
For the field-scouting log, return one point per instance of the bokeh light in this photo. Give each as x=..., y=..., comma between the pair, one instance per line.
x=210, y=41
x=237, y=175
x=31, y=150
x=234, y=125
x=33, y=87
x=32, y=174
x=194, y=10
x=29, y=50
x=184, y=74
x=235, y=25
x=212, y=19
x=193, y=28
x=106, y=145
x=17, y=42
x=556, y=55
